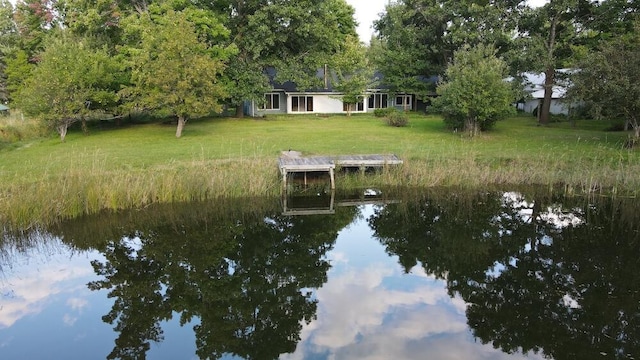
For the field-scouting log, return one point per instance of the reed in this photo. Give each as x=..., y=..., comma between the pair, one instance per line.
x=15, y=129
x=76, y=192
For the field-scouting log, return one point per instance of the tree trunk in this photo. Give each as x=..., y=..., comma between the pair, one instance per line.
x=239, y=111
x=85, y=129
x=181, y=122
x=471, y=127
x=62, y=130
x=549, y=73
x=544, y=111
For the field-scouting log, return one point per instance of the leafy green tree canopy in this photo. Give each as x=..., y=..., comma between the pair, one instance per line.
x=295, y=37
x=475, y=94
x=417, y=38
x=608, y=81
x=8, y=43
x=174, y=73
x=66, y=81
x=353, y=73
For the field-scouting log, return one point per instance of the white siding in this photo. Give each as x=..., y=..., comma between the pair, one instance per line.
x=557, y=107
x=322, y=104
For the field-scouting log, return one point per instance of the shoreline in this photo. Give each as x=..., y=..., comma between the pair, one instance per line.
x=46, y=181
x=76, y=193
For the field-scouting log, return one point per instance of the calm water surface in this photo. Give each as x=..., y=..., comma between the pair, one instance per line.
x=499, y=275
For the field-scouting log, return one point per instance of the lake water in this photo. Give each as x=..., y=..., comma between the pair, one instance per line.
x=370, y=275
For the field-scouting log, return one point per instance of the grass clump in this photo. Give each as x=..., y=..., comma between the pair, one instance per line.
x=14, y=129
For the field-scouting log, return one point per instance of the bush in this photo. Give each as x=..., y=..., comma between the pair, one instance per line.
x=383, y=112
x=397, y=118
x=456, y=122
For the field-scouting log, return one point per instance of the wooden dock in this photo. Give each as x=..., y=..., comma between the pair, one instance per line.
x=292, y=162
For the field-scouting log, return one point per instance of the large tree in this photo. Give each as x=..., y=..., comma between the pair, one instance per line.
x=352, y=73
x=68, y=78
x=24, y=33
x=296, y=37
x=8, y=43
x=550, y=37
x=608, y=81
x=174, y=73
x=35, y=19
x=474, y=94
x=416, y=39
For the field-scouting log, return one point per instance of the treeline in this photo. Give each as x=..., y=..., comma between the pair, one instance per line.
x=69, y=60
x=598, y=39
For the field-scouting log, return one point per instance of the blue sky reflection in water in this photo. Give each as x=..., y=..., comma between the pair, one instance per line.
x=47, y=311
x=239, y=279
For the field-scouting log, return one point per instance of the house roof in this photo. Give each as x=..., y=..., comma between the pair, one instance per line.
x=3, y=108
x=292, y=87
x=534, y=85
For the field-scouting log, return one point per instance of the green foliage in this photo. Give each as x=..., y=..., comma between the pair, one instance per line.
x=352, y=72
x=8, y=44
x=552, y=38
x=417, y=38
x=383, y=112
x=68, y=79
x=35, y=20
x=475, y=95
x=295, y=37
x=15, y=129
x=608, y=81
x=17, y=71
x=396, y=118
x=173, y=72
x=95, y=20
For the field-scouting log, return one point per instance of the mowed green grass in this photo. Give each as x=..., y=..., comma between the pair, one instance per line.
x=138, y=164
x=150, y=145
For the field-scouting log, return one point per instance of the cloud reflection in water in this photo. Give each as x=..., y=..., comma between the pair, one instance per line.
x=370, y=309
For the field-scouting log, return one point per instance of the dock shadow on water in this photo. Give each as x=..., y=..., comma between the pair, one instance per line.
x=392, y=273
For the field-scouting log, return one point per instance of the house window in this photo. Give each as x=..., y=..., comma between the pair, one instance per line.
x=378, y=101
x=404, y=101
x=271, y=102
x=302, y=103
x=353, y=107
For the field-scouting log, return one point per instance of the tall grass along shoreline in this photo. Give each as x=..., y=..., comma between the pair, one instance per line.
x=142, y=165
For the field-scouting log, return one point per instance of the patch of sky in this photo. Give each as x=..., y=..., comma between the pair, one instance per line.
x=177, y=343
x=78, y=314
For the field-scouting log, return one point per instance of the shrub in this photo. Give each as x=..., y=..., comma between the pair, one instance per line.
x=383, y=112
x=397, y=118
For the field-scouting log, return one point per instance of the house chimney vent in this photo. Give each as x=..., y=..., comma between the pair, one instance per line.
x=326, y=77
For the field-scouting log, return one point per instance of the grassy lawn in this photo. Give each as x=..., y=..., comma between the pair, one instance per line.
x=138, y=164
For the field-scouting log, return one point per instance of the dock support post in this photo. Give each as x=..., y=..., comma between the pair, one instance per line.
x=284, y=179
x=333, y=181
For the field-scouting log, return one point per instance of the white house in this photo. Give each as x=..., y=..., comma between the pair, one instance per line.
x=286, y=98
x=534, y=85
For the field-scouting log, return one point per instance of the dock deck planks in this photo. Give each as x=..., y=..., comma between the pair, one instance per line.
x=291, y=162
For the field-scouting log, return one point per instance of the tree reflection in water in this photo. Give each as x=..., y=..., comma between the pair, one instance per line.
x=541, y=273
x=244, y=271
x=552, y=275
